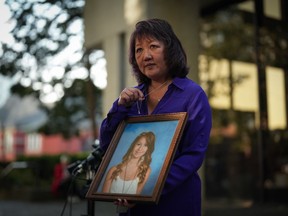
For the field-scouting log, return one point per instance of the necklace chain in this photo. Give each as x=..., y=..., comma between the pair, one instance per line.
x=124, y=180
x=158, y=88
x=139, y=103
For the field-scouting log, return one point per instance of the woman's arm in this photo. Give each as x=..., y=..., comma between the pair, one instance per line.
x=119, y=111
x=193, y=145
x=110, y=123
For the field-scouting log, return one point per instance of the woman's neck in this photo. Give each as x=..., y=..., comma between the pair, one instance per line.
x=159, y=83
x=155, y=94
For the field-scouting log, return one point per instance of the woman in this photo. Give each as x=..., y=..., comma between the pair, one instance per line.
x=131, y=174
x=160, y=67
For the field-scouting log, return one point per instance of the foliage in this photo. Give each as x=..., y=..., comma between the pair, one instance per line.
x=70, y=110
x=226, y=35
x=274, y=44
x=37, y=177
x=44, y=31
x=230, y=34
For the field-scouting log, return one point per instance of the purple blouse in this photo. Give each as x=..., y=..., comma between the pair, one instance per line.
x=181, y=194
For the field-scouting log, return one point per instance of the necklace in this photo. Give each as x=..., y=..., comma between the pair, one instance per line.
x=124, y=180
x=139, y=103
x=158, y=88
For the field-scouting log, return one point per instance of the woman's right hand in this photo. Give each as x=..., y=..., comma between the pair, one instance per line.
x=129, y=96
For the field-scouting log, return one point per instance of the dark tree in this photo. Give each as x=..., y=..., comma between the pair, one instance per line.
x=43, y=31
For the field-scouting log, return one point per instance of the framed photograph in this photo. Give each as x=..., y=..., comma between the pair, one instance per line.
x=138, y=159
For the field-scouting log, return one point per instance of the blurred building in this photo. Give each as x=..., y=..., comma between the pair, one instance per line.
x=237, y=50
x=14, y=143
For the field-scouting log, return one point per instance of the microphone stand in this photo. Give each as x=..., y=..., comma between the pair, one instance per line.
x=90, y=203
x=91, y=165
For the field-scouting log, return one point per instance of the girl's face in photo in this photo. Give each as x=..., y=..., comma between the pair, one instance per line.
x=140, y=148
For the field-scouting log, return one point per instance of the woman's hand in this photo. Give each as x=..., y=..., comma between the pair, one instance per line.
x=129, y=96
x=123, y=205
x=124, y=202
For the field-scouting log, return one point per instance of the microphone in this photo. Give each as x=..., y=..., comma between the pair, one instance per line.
x=94, y=158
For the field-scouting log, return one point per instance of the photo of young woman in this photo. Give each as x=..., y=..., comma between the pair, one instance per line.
x=130, y=175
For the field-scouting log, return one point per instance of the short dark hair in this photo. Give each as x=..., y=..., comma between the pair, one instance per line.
x=174, y=54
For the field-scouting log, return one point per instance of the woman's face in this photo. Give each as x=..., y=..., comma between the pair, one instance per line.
x=140, y=148
x=149, y=54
